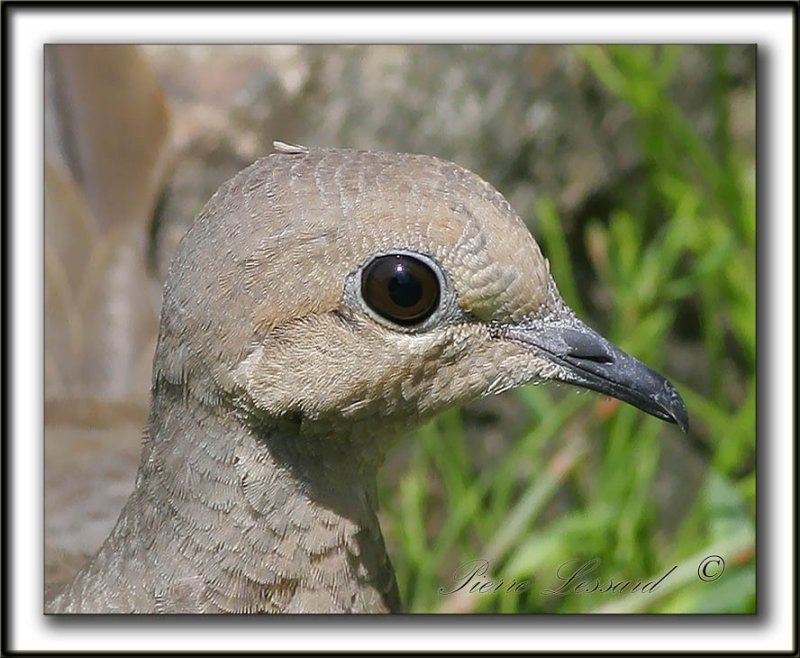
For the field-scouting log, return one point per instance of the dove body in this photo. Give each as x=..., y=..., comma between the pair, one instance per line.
x=322, y=302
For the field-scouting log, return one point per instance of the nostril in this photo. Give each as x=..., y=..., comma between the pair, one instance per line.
x=586, y=347
x=596, y=357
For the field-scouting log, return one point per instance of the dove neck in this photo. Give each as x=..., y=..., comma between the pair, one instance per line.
x=230, y=517
x=273, y=499
x=190, y=444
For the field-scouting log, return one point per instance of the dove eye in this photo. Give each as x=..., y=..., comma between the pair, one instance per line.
x=400, y=288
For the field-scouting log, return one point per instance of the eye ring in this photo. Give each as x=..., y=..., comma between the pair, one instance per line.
x=400, y=288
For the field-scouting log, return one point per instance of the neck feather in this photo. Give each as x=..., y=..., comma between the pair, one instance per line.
x=227, y=517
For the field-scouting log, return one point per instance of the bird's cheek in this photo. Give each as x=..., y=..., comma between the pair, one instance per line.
x=492, y=368
x=321, y=367
x=472, y=366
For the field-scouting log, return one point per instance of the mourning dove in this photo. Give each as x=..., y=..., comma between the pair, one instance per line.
x=323, y=301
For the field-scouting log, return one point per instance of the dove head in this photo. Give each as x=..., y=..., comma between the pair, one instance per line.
x=356, y=292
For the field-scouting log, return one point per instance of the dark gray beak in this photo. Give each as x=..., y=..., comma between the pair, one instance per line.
x=584, y=358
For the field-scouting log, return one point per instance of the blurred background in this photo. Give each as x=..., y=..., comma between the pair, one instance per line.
x=634, y=167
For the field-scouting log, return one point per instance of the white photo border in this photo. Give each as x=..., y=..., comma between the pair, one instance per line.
x=771, y=26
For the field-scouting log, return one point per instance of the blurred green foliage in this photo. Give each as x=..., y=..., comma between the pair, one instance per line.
x=675, y=261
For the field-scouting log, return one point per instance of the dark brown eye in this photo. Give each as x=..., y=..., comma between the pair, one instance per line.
x=400, y=288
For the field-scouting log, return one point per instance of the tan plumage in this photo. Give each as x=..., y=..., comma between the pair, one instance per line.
x=277, y=388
